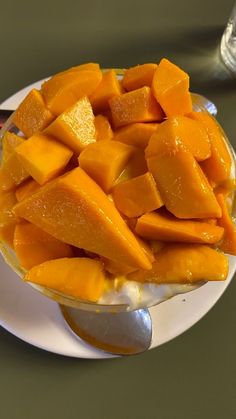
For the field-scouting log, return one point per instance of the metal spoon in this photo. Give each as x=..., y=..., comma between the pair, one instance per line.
x=124, y=333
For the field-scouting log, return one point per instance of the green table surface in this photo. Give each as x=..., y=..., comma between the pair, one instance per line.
x=193, y=376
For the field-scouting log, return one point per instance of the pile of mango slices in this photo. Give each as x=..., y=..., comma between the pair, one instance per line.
x=116, y=176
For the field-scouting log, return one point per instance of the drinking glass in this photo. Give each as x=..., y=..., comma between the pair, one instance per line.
x=228, y=42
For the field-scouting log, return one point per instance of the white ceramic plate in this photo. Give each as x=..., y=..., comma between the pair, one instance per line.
x=37, y=320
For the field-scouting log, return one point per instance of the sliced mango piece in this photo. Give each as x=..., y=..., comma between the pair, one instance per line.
x=103, y=128
x=8, y=219
x=228, y=245
x=163, y=226
x=137, y=134
x=75, y=126
x=43, y=157
x=108, y=88
x=138, y=76
x=86, y=66
x=34, y=246
x=104, y=161
x=75, y=210
x=136, y=166
x=77, y=277
x=26, y=189
x=135, y=106
x=180, y=132
x=170, y=87
x=7, y=234
x=115, y=268
x=9, y=142
x=183, y=186
x=137, y=196
x=12, y=173
x=63, y=91
x=217, y=167
x=185, y=263
x=32, y=114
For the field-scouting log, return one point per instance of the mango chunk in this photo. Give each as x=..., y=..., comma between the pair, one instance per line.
x=43, y=157
x=137, y=196
x=104, y=161
x=32, y=114
x=76, y=277
x=138, y=76
x=61, y=92
x=75, y=210
x=186, y=264
x=8, y=219
x=103, y=128
x=75, y=126
x=80, y=67
x=108, y=88
x=183, y=186
x=180, y=132
x=7, y=234
x=136, y=166
x=170, y=87
x=26, y=189
x=116, y=269
x=12, y=173
x=165, y=227
x=9, y=142
x=119, y=269
x=228, y=244
x=217, y=167
x=137, y=134
x=34, y=246
x=135, y=106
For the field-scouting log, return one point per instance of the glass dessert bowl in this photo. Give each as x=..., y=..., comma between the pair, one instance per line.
x=119, y=294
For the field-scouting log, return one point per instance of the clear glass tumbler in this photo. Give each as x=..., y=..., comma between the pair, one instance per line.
x=228, y=42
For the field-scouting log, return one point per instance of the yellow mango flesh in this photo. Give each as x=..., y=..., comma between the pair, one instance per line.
x=75, y=210
x=136, y=166
x=34, y=246
x=76, y=277
x=115, y=268
x=138, y=76
x=26, y=189
x=183, y=186
x=32, y=114
x=9, y=142
x=104, y=161
x=12, y=173
x=103, y=128
x=137, y=134
x=137, y=196
x=135, y=106
x=228, y=244
x=108, y=88
x=180, y=132
x=43, y=157
x=164, y=227
x=75, y=126
x=63, y=91
x=217, y=167
x=80, y=67
x=170, y=86
x=8, y=219
x=186, y=264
